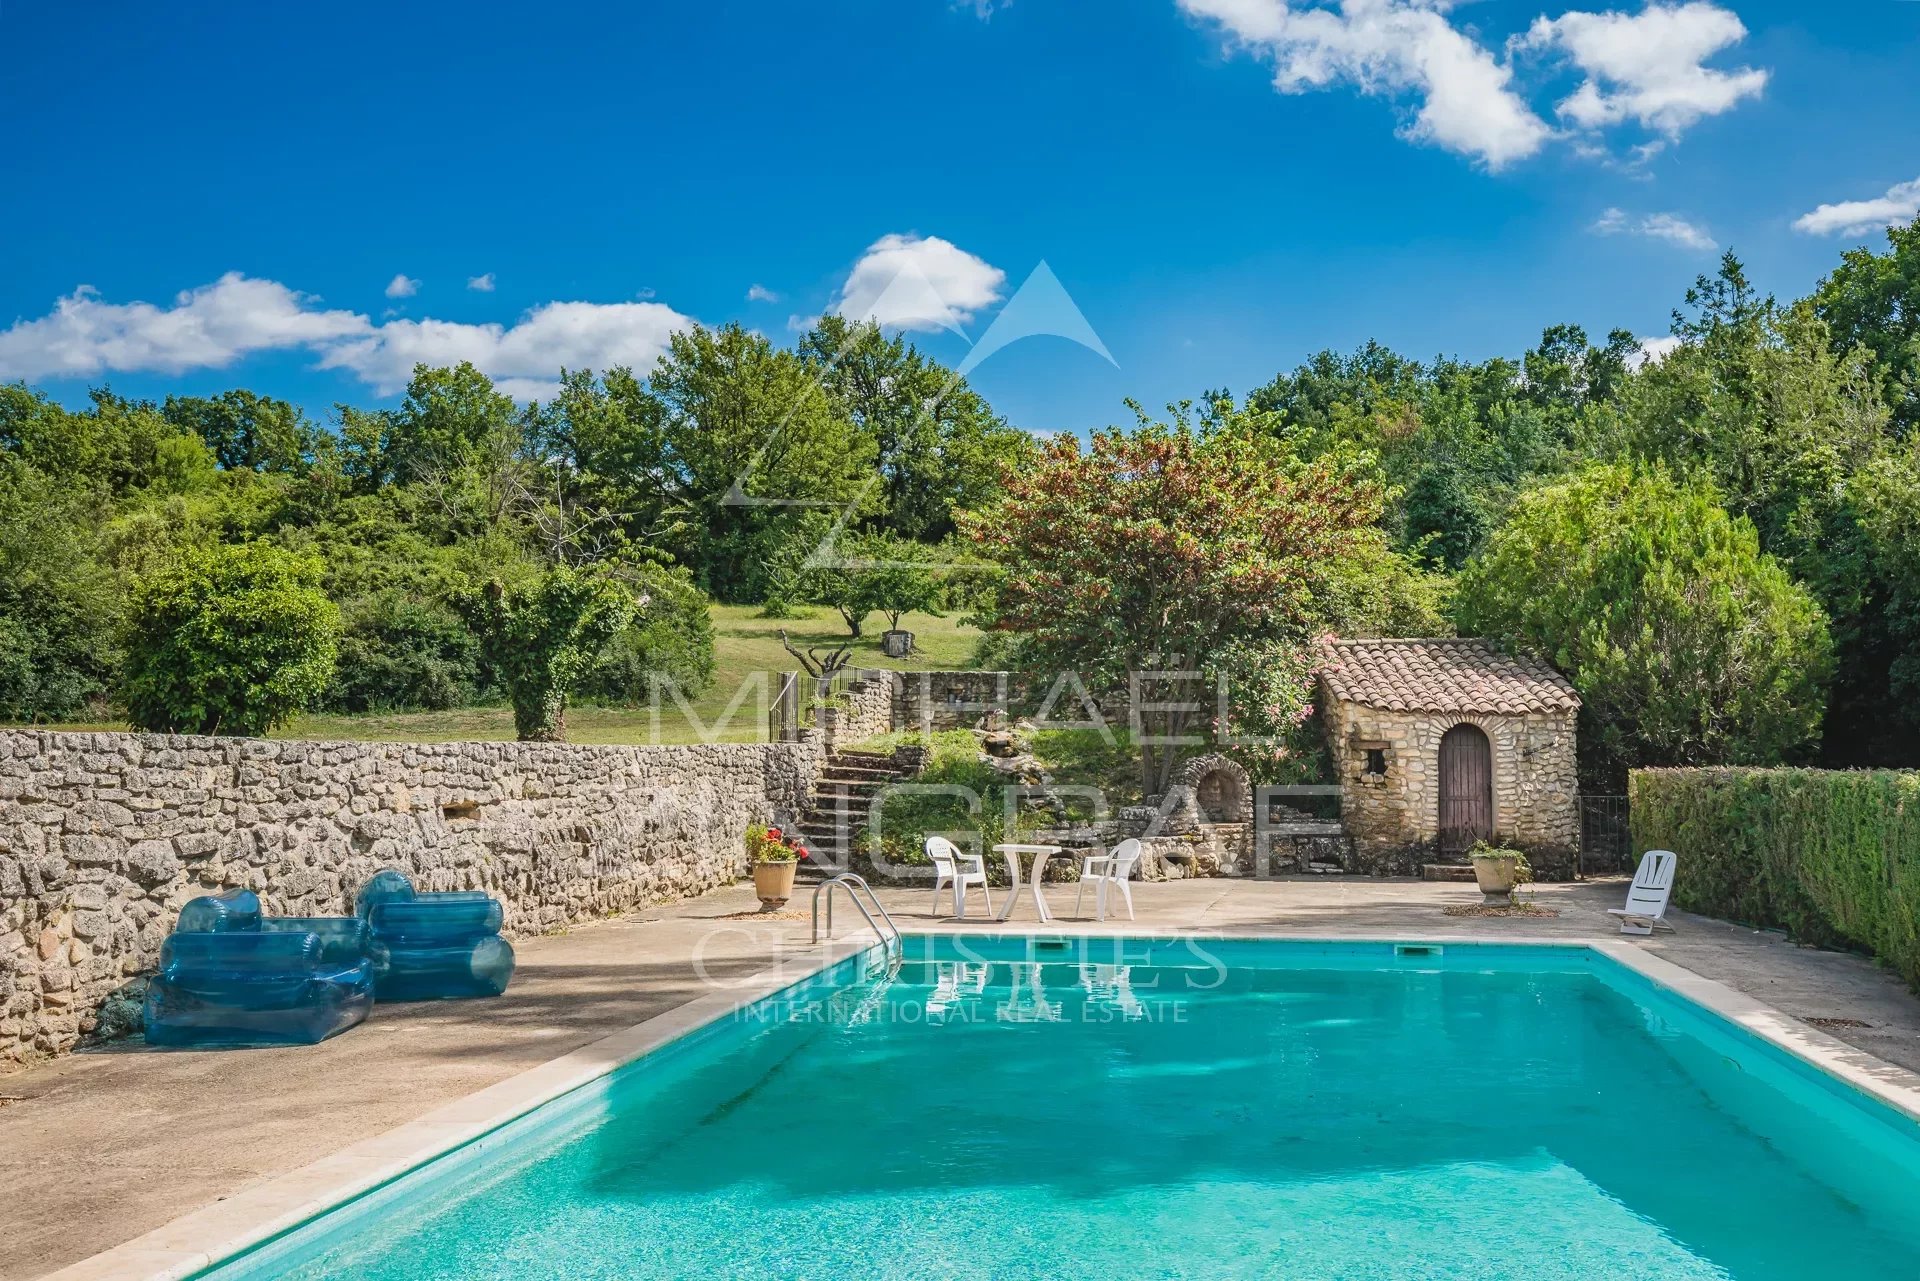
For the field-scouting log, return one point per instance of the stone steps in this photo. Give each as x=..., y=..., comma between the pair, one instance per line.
x=840, y=801
x=1446, y=872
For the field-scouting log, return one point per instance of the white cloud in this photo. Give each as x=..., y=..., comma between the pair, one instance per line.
x=1666, y=226
x=1390, y=48
x=402, y=286
x=760, y=293
x=1657, y=226
x=205, y=328
x=216, y=324
x=1652, y=351
x=1858, y=217
x=574, y=335
x=482, y=284
x=1648, y=67
x=918, y=282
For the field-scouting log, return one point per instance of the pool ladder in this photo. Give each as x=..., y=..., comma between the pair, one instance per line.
x=856, y=885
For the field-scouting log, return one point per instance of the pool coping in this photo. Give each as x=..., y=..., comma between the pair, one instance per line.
x=215, y=1233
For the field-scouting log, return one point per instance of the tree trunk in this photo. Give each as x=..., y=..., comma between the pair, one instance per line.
x=540, y=717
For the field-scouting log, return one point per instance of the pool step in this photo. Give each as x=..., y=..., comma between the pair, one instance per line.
x=1447, y=872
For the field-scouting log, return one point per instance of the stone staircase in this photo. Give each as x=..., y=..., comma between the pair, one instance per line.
x=841, y=799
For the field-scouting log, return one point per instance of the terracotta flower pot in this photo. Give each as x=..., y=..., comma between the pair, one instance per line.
x=1496, y=874
x=773, y=882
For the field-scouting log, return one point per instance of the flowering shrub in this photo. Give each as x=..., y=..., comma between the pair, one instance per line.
x=771, y=845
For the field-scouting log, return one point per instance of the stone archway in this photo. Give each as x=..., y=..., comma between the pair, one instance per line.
x=1216, y=789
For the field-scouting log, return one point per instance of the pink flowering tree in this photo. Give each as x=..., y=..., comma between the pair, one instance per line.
x=1209, y=551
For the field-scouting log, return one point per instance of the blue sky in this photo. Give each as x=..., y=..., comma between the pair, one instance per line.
x=1221, y=186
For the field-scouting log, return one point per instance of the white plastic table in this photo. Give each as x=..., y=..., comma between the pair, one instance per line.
x=1041, y=853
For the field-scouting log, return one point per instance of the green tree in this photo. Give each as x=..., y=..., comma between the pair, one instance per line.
x=1872, y=300
x=937, y=444
x=245, y=431
x=669, y=639
x=59, y=605
x=1789, y=429
x=399, y=652
x=728, y=444
x=231, y=639
x=901, y=579
x=541, y=637
x=1171, y=548
x=1688, y=646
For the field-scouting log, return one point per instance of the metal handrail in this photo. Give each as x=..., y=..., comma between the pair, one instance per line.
x=848, y=881
x=784, y=715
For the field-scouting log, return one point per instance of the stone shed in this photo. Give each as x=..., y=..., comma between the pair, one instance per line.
x=1441, y=743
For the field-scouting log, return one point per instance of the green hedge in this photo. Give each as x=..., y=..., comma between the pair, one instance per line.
x=1833, y=856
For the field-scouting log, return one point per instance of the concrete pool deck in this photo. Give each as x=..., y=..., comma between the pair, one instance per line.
x=108, y=1145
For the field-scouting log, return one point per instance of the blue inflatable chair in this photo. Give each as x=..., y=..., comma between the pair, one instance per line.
x=231, y=978
x=429, y=947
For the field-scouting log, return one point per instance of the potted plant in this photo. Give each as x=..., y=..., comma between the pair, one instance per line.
x=775, y=859
x=1497, y=870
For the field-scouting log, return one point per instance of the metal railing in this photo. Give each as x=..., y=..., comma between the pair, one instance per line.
x=851, y=882
x=1606, y=835
x=783, y=717
x=788, y=715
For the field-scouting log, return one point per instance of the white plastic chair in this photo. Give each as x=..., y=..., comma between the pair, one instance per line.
x=1111, y=987
x=1027, y=998
x=1647, y=899
x=951, y=867
x=1108, y=871
x=955, y=983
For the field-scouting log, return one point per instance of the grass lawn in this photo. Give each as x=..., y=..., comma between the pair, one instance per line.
x=748, y=662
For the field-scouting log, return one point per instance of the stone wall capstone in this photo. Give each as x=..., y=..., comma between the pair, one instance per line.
x=104, y=836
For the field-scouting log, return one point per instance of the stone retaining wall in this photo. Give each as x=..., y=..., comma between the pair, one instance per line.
x=928, y=701
x=865, y=711
x=104, y=836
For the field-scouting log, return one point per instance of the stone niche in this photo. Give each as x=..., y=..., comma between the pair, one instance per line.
x=1203, y=826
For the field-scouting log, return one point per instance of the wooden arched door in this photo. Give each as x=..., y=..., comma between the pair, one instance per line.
x=1466, y=788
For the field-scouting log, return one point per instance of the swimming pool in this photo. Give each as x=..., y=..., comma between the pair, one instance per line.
x=1173, y=1108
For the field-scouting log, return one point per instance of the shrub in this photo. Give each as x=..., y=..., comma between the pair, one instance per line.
x=1687, y=646
x=231, y=639
x=400, y=653
x=669, y=639
x=541, y=637
x=58, y=602
x=1831, y=856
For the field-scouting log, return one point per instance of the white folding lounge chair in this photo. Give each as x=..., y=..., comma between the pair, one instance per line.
x=951, y=867
x=1647, y=899
x=1106, y=872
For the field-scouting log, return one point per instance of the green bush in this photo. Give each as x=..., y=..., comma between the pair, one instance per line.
x=1831, y=856
x=670, y=638
x=400, y=653
x=230, y=640
x=541, y=636
x=1686, y=644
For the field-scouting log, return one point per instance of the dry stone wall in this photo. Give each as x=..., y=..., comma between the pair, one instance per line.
x=928, y=701
x=1394, y=816
x=104, y=836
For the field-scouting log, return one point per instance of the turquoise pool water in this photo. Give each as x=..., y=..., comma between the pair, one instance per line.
x=1175, y=1110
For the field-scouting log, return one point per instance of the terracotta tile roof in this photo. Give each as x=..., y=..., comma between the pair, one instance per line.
x=1443, y=675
